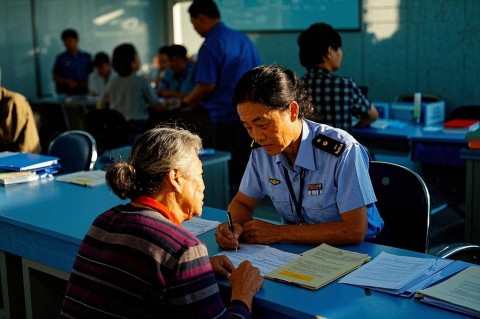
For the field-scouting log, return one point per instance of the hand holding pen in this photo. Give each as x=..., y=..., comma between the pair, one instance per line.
x=227, y=234
x=230, y=227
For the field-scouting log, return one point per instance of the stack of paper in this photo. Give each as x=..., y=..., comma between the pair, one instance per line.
x=318, y=267
x=460, y=292
x=24, y=167
x=198, y=226
x=402, y=275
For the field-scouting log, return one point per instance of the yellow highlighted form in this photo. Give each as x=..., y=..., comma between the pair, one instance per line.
x=296, y=275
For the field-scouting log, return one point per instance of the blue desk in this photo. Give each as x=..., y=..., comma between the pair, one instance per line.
x=44, y=222
x=423, y=146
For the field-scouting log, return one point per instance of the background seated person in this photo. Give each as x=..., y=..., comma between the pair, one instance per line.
x=18, y=130
x=129, y=93
x=179, y=76
x=316, y=175
x=99, y=77
x=137, y=261
x=337, y=99
x=72, y=67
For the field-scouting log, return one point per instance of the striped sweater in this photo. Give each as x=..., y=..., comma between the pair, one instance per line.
x=134, y=263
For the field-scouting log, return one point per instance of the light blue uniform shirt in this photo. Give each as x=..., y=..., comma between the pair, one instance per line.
x=333, y=184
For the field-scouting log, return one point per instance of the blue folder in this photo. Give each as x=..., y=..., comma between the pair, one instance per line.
x=27, y=162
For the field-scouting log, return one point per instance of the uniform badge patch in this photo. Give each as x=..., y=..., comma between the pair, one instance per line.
x=274, y=181
x=315, y=189
x=328, y=144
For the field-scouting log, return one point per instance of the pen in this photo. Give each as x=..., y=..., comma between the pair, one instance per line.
x=230, y=225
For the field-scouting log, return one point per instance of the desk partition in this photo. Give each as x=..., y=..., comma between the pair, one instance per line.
x=43, y=222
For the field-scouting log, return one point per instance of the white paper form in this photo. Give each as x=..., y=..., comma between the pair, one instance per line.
x=388, y=271
x=198, y=226
x=265, y=258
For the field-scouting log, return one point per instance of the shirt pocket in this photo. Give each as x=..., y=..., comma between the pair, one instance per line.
x=284, y=206
x=321, y=209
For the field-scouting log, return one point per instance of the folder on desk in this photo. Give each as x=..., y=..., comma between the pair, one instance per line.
x=19, y=162
x=318, y=267
x=459, y=293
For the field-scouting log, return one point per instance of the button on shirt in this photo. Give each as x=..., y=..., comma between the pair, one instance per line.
x=333, y=185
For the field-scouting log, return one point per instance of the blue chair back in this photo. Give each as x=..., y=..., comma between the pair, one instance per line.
x=76, y=149
x=403, y=202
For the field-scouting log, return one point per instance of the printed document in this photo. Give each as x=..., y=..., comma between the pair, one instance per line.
x=265, y=258
x=389, y=271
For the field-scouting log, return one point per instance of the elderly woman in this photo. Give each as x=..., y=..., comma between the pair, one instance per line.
x=136, y=261
x=316, y=175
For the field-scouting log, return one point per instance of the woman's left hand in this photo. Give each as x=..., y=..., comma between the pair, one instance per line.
x=222, y=266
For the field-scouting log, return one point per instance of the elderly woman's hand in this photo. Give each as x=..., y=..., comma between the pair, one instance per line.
x=245, y=282
x=225, y=238
x=222, y=266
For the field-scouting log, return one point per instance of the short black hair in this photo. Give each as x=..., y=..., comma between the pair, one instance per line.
x=122, y=59
x=314, y=43
x=101, y=58
x=163, y=49
x=69, y=33
x=177, y=50
x=206, y=7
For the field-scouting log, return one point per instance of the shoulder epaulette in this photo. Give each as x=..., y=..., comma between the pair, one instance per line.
x=328, y=144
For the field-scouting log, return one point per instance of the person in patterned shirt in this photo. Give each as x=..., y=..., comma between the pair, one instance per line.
x=136, y=261
x=338, y=100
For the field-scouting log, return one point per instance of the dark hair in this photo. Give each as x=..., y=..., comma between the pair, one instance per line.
x=122, y=59
x=206, y=7
x=163, y=49
x=101, y=58
x=153, y=155
x=177, y=50
x=275, y=87
x=314, y=43
x=69, y=33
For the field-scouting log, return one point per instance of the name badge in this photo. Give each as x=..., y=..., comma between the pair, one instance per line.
x=315, y=189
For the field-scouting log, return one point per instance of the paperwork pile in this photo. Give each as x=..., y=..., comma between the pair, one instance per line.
x=402, y=275
x=25, y=167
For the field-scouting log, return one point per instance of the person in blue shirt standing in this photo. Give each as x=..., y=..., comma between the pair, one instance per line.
x=223, y=58
x=316, y=175
x=72, y=67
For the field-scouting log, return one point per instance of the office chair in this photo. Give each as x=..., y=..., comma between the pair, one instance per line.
x=461, y=251
x=108, y=127
x=403, y=202
x=76, y=149
x=468, y=112
x=74, y=114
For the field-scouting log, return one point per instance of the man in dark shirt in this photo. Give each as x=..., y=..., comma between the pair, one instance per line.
x=337, y=99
